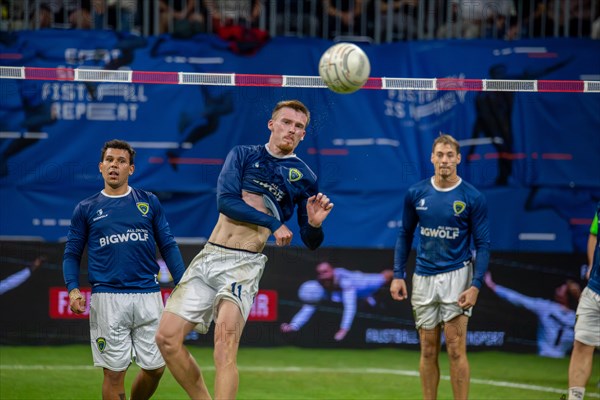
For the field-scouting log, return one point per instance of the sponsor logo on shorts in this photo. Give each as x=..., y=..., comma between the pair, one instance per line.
x=101, y=344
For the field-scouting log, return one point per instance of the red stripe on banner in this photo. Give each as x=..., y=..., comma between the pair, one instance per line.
x=328, y=152
x=542, y=55
x=189, y=161
x=506, y=156
x=11, y=56
x=557, y=156
x=580, y=221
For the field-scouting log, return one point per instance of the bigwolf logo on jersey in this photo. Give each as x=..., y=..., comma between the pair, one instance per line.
x=442, y=232
x=124, y=238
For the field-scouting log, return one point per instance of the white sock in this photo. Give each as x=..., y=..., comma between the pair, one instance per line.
x=576, y=393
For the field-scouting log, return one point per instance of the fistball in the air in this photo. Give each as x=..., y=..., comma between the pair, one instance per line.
x=344, y=68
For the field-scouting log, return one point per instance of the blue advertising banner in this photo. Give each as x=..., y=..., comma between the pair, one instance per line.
x=530, y=153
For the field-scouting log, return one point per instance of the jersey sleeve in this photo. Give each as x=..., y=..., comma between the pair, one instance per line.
x=481, y=239
x=312, y=237
x=166, y=241
x=76, y=241
x=406, y=233
x=229, y=194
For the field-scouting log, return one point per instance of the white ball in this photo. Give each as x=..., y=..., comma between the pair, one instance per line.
x=344, y=68
x=311, y=292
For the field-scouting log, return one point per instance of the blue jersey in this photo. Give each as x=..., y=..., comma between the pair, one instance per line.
x=284, y=182
x=594, y=282
x=121, y=234
x=449, y=221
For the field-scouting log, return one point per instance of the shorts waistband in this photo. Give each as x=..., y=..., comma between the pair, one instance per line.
x=232, y=249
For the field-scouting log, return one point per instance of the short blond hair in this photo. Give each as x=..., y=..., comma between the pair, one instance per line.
x=444, y=138
x=296, y=105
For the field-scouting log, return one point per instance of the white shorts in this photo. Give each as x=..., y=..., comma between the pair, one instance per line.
x=216, y=273
x=435, y=298
x=587, y=327
x=122, y=328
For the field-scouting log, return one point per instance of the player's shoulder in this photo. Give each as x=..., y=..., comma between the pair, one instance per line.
x=306, y=170
x=420, y=186
x=90, y=200
x=470, y=189
x=247, y=148
x=141, y=195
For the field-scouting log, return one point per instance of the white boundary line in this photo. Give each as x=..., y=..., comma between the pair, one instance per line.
x=308, y=370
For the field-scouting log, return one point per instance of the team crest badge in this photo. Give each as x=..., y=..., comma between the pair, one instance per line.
x=458, y=207
x=143, y=207
x=295, y=175
x=101, y=344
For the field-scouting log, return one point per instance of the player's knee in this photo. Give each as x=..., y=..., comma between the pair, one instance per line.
x=429, y=352
x=154, y=374
x=167, y=344
x=455, y=352
x=114, y=378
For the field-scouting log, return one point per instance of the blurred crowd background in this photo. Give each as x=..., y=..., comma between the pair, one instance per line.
x=376, y=21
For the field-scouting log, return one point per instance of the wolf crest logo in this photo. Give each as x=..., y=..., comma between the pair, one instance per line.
x=458, y=207
x=101, y=344
x=143, y=207
x=295, y=175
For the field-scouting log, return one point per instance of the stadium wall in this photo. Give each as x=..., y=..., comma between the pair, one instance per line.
x=36, y=312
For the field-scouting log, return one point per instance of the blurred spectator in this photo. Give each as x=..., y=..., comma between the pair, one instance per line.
x=233, y=12
x=345, y=17
x=477, y=19
x=114, y=14
x=297, y=17
x=181, y=18
x=454, y=26
x=237, y=21
x=596, y=29
x=399, y=18
x=61, y=13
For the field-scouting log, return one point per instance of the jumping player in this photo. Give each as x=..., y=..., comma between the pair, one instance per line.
x=257, y=191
